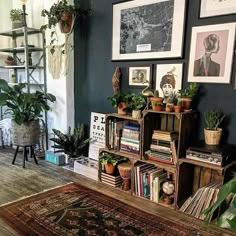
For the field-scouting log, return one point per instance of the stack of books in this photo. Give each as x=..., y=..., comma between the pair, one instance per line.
x=201, y=200
x=163, y=147
x=130, y=140
x=114, y=181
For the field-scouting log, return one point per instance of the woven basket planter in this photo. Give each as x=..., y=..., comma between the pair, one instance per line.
x=25, y=134
x=212, y=137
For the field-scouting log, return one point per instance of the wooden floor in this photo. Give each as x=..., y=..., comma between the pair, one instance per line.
x=16, y=183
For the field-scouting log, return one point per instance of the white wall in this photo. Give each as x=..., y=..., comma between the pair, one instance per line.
x=62, y=114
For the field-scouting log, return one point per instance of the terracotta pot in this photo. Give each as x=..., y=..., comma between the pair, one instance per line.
x=121, y=107
x=66, y=23
x=212, y=137
x=186, y=103
x=157, y=108
x=109, y=168
x=155, y=101
x=169, y=108
x=178, y=109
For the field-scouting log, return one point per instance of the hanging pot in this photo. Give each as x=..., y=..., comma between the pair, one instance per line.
x=66, y=23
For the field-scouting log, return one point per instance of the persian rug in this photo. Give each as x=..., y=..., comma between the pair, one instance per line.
x=76, y=210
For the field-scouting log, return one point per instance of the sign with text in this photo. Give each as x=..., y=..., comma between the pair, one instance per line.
x=97, y=133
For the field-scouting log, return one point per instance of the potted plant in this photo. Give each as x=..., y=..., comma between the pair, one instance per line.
x=110, y=161
x=156, y=99
x=171, y=100
x=120, y=101
x=178, y=106
x=26, y=109
x=72, y=144
x=212, y=132
x=64, y=14
x=10, y=61
x=137, y=104
x=187, y=94
x=226, y=219
x=16, y=18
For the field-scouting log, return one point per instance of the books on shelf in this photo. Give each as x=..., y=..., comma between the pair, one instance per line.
x=114, y=181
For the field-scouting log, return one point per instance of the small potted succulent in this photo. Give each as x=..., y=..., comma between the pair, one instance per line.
x=120, y=101
x=16, y=18
x=187, y=94
x=156, y=99
x=157, y=106
x=171, y=100
x=212, y=132
x=178, y=106
x=10, y=61
x=136, y=104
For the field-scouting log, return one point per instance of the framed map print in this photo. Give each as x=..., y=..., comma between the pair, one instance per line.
x=147, y=29
x=217, y=7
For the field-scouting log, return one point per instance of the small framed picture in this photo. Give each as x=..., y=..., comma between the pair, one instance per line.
x=211, y=8
x=139, y=75
x=168, y=79
x=211, y=53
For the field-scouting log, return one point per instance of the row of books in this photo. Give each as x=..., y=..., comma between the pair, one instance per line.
x=201, y=200
x=148, y=181
x=124, y=136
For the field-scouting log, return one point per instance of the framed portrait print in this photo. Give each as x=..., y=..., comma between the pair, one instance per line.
x=140, y=76
x=211, y=53
x=211, y=8
x=168, y=79
x=147, y=29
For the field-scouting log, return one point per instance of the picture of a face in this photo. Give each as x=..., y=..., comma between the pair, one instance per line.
x=167, y=89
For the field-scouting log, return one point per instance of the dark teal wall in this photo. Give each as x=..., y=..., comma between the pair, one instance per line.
x=94, y=68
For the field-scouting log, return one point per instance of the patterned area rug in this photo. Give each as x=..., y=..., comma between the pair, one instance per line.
x=76, y=210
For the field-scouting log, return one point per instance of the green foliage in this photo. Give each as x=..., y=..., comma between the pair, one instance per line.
x=213, y=119
x=190, y=91
x=156, y=94
x=179, y=103
x=119, y=97
x=16, y=14
x=228, y=218
x=172, y=97
x=108, y=158
x=137, y=102
x=23, y=106
x=72, y=144
x=54, y=16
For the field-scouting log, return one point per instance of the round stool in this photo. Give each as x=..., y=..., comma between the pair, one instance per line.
x=125, y=173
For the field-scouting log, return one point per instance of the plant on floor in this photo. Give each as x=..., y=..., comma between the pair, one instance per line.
x=24, y=106
x=228, y=218
x=73, y=144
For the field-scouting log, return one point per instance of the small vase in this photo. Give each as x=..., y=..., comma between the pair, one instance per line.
x=136, y=114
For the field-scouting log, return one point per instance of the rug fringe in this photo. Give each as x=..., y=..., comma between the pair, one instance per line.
x=34, y=194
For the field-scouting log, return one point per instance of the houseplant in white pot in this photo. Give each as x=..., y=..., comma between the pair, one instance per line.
x=212, y=132
x=137, y=104
x=26, y=109
x=16, y=18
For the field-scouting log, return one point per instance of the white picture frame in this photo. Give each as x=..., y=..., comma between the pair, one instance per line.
x=139, y=75
x=211, y=53
x=168, y=79
x=147, y=29
x=210, y=8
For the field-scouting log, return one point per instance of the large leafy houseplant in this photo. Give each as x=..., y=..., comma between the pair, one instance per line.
x=23, y=106
x=228, y=218
x=71, y=143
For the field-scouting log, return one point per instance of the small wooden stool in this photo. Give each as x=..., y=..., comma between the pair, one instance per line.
x=25, y=157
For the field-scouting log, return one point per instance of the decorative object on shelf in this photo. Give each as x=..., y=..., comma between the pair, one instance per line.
x=171, y=100
x=139, y=76
x=211, y=8
x=227, y=218
x=139, y=32
x=156, y=100
x=116, y=80
x=186, y=95
x=10, y=61
x=16, y=18
x=26, y=109
x=125, y=173
x=64, y=14
x=136, y=104
x=212, y=132
x=72, y=144
x=168, y=188
x=211, y=53
x=178, y=106
x=120, y=101
x=168, y=79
